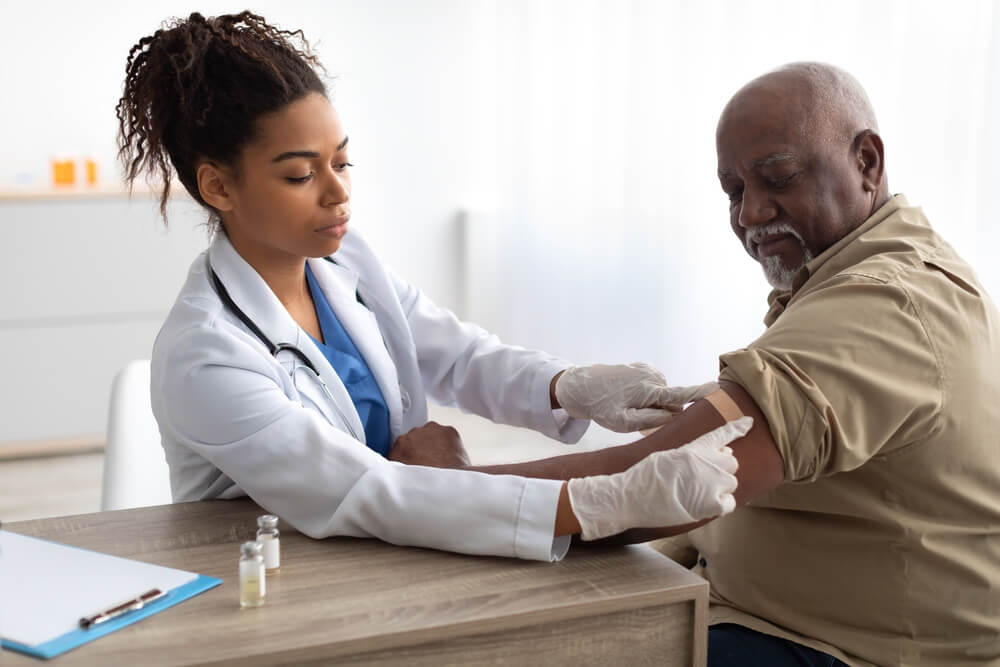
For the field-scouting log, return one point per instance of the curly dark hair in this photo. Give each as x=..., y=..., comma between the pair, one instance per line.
x=195, y=88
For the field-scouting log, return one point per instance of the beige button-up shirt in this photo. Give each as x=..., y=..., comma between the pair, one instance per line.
x=879, y=375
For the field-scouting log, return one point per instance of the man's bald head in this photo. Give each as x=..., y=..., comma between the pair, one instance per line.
x=826, y=101
x=802, y=161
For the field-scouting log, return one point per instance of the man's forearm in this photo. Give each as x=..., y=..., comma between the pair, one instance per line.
x=696, y=420
x=761, y=467
x=611, y=460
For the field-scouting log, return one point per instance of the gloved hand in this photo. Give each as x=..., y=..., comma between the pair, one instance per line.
x=623, y=398
x=667, y=488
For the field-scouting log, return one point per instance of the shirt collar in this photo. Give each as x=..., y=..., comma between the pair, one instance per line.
x=831, y=260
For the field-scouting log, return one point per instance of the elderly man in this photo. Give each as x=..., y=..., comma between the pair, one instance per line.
x=878, y=377
x=870, y=482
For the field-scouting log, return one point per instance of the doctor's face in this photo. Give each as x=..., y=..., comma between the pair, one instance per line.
x=291, y=189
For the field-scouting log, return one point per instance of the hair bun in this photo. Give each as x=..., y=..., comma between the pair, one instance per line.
x=195, y=89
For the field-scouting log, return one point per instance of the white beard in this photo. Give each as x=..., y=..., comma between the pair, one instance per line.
x=777, y=274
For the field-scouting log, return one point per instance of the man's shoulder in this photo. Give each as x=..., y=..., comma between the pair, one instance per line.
x=923, y=267
x=897, y=244
x=895, y=252
x=857, y=291
x=903, y=252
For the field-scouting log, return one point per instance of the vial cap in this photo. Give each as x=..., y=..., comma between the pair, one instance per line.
x=267, y=521
x=251, y=549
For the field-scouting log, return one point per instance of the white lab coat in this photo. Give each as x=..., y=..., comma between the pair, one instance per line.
x=233, y=422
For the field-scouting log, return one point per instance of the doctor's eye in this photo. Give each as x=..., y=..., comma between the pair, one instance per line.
x=300, y=179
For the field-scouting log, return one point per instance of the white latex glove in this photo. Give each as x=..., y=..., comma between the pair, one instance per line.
x=624, y=398
x=667, y=488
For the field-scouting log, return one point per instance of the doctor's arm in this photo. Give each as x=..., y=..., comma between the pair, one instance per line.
x=235, y=424
x=761, y=468
x=462, y=364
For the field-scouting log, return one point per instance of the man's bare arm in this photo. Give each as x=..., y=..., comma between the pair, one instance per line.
x=761, y=466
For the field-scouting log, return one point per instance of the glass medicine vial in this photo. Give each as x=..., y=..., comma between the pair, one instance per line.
x=267, y=535
x=252, y=578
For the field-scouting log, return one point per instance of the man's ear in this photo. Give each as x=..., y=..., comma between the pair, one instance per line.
x=870, y=155
x=213, y=185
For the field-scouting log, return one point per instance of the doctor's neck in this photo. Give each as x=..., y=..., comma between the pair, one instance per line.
x=283, y=272
x=290, y=287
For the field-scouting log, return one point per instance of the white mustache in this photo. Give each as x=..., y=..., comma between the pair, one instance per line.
x=755, y=234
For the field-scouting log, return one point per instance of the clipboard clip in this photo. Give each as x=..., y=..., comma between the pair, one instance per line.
x=133, y=604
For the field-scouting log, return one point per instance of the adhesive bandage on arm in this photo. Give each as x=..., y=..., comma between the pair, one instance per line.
x=724, y=405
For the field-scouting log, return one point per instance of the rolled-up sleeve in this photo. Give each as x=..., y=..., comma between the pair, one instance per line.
x=845, y=374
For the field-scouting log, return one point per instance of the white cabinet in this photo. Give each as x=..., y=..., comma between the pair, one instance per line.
x=85, y=283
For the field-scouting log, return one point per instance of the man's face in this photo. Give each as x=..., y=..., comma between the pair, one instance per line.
x=793, y=189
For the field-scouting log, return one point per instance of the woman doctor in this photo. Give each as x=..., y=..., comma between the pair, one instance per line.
x=293, y=359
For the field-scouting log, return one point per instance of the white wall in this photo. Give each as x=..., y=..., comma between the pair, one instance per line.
x=85, y=285
x=578, y=135
x=65, y=326
x=399, y=83
x=598, y=209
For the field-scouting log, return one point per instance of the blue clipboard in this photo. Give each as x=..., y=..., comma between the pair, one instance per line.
x=35, y=572
x=78, y=637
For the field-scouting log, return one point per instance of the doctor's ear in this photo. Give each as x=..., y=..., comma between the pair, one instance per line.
x=213, y=185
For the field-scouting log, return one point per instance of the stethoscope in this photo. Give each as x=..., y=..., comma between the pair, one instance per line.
x=275, y=348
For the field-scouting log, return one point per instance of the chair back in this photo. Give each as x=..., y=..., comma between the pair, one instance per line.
x=135, y=470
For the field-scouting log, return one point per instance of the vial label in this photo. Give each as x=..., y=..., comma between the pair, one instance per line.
x=251, y=588
x=253, y=585
x=272, y=553
x=251, y=595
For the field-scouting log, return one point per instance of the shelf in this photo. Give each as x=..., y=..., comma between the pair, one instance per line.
x=33, y=449
x=81, y=192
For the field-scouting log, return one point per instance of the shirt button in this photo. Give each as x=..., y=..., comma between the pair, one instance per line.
x=404, y=398
x=702, y=562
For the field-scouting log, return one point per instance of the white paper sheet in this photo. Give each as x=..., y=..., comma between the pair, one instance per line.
x=46, y=587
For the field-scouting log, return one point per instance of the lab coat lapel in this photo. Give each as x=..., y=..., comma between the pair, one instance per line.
x=253, y=296
x=340, y=285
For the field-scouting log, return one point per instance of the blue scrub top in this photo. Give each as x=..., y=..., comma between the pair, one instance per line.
x=352, y=370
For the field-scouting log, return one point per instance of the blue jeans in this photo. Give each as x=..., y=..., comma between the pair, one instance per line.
x=731, y=645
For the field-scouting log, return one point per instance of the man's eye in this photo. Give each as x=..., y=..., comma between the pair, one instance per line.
x=299, y=179
x=782, y=182
x=342, y=166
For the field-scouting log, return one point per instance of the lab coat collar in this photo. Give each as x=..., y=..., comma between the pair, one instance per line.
x=254, y=297
x=250, y=293
x=342, y=284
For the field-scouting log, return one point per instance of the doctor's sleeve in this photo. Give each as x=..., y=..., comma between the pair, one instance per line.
x=463, y=365
x=219, y=398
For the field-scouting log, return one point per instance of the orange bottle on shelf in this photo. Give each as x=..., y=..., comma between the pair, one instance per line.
x=63, y=172
x=90, y=166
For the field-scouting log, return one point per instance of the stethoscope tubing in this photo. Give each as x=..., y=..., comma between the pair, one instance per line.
x=275, y=348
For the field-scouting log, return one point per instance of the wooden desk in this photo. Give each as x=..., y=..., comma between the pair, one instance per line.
x=364, y=602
